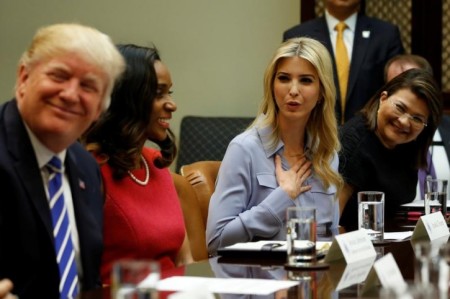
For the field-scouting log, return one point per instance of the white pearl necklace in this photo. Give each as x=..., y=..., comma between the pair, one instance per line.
x=147, y=174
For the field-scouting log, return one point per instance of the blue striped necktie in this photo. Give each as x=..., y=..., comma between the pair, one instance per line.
x=68, y=285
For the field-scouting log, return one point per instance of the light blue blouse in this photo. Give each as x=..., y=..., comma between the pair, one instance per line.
x=249, y=205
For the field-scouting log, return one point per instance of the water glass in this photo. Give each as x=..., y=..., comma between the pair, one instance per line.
x=409, y=291
x=426, y=269
x=371, y=214
x=135, y=279
x=435, y=192
x=444, y=281
x=444, y=252
x=306, y=287
x=431, y=268
x=301, y=235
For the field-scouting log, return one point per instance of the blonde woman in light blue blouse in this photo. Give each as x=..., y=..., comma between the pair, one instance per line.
x=287, y=157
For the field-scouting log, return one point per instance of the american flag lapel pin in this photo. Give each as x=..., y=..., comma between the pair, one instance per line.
x=81, y=184
x=366, y=34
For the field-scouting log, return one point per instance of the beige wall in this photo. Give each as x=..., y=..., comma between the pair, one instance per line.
x=216, y=50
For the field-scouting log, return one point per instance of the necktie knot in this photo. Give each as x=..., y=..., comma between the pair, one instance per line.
x=54, y=165
x=340, y=27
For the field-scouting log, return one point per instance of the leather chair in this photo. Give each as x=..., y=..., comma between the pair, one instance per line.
x=206, y=138
x=202, y=176
x=195, y=226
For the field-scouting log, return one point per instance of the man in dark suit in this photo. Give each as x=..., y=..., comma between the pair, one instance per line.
x=370, y=43
x=444, y=130
x=64, y=81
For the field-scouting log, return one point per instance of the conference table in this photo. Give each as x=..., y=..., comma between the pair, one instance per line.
x=311, y=284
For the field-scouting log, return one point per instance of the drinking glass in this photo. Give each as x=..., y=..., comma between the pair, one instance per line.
x=444, y=252
x=135, y=279
x=409, y=291
x=431, y=268
x=301, y=235
x=306, y=287
x=444, y=281
x=425, y=268
x=371, y=214
x=435, y=192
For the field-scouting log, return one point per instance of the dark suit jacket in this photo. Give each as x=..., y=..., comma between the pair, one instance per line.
x=444, y=130
x=27, y=255
x=368, y=57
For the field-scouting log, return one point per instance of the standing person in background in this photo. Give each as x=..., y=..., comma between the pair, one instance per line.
x=143, y=216
x=384, y=146
x=51, y=203
x=403, y=62
x=360, y=47
x=287, y=157
x=439, y=153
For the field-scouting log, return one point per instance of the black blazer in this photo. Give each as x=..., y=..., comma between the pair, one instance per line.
x=444, y=130
x=368, y=57
x=27, y=255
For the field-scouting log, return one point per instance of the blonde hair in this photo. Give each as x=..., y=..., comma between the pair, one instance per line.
x=93, y=46
x=321, y=129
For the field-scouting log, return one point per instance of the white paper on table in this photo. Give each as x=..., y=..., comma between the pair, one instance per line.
x=192, y=294
x=257, y=246
x=397, y=235
x=421, y=204
x=150, y=281
x=225, y=285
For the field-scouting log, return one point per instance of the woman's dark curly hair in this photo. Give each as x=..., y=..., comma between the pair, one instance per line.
x=121, y=132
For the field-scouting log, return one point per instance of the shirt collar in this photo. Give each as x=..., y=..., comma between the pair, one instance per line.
x=265, y=133
x=43, y=154
x=332, y=21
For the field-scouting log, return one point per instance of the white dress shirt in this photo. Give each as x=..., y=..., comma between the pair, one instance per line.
x=349, y=32
x=43, y=156
x=440, y=162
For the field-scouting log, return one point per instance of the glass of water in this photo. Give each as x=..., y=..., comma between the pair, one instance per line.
x=409, y=291
x=135, y=279
x=371, y=214
x=431, y=268
x=301, y=235
x=436, y=194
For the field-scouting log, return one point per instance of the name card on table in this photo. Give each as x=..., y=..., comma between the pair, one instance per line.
x=432, y=226
x=343, y=275
x=353, y=247
x=385, y=271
